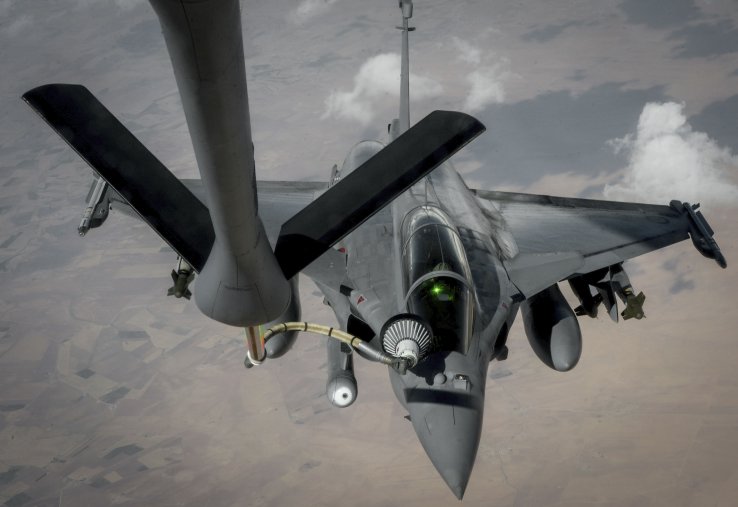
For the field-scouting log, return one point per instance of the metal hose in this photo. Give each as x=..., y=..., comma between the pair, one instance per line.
x=357, y=344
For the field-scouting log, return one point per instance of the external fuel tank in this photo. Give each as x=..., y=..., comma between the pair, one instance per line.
x=552, y=329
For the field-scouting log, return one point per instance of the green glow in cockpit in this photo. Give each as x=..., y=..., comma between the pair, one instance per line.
x=442, y=292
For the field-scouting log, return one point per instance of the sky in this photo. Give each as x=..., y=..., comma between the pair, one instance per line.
x=112, y=393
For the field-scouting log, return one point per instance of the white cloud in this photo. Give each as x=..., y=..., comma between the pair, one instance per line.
x=668, y=160
x=485, y=81
x=310, y=8
x=485, y=88
x=377, y=79
x=467, y=52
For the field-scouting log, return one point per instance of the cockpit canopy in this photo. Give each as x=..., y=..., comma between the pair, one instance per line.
x=437, y=277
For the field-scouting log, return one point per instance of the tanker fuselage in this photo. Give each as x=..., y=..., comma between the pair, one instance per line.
x=241, y=283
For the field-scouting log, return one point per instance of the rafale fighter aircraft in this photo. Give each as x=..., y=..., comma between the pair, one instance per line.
x=423, y=273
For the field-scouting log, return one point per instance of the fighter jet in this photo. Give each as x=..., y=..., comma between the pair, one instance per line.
x=423, y=273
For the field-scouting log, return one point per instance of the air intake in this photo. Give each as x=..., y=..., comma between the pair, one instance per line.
x=407, y=336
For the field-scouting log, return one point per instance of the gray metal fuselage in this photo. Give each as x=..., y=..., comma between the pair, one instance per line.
x=444, y=393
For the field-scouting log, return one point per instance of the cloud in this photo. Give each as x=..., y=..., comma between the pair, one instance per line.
x=669, y=160
x=718, y=121
x=309, y=9
x=485, y=88
x=485, y=81
x=378, y=78
x=558, y=132
x=467, y=52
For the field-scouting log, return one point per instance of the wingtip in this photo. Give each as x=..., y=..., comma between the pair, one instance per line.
x=31, y=96
x=473, y=122
x=720, y=259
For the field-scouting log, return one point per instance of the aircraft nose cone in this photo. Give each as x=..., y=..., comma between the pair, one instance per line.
x=449, y=433
x=457, y=482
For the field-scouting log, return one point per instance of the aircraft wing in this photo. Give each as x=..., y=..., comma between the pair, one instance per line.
x=558, y=237
x=278, y=202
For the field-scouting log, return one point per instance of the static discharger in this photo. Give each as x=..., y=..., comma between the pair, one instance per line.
x=255, y=343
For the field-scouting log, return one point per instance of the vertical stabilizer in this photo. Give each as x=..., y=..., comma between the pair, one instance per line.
x=407, y=12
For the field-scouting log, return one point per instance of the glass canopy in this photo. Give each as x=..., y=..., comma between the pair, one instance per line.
x=437, y=277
